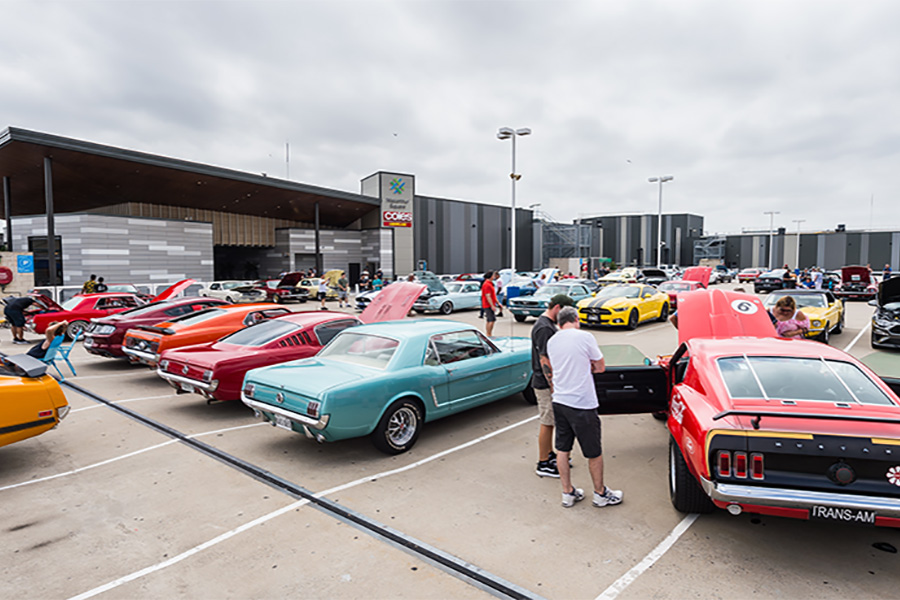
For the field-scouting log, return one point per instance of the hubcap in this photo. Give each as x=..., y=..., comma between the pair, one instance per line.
x=402, y=426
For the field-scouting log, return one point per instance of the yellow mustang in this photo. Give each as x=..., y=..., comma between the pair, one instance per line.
x=824, y=310
x=31, y=402
x=624, y=306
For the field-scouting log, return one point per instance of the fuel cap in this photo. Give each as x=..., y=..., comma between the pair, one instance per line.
x=841, y=473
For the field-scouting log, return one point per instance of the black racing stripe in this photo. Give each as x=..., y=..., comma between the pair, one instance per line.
x=29, y=425
x=464, y=570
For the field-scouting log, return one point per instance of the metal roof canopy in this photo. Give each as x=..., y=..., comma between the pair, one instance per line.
x=89, y=176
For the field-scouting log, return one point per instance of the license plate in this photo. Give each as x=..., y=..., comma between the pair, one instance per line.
x=187, y=387
x=593, y=318
x=88, y=342
x=844, y=515
x=283, y=422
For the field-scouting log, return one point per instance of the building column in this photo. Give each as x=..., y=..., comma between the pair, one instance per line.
x=51, y=229
x=7, y=210
x=318, y=249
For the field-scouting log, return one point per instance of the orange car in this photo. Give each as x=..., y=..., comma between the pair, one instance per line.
x=144, y=344
x=31, y=402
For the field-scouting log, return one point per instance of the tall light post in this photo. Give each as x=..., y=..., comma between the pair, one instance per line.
x=771, y=214
x=797, y=262
x=661, y=179
x=506, y=133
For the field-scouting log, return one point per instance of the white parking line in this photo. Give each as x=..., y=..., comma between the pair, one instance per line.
x=858, y=335
x=120, y=402
x=82, y=378
x=625, y=580
x=249, y=525
x=124, y=456
x=645, y=329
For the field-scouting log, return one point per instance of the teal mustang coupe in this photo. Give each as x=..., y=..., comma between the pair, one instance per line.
x=386, y=380
x=536, y=304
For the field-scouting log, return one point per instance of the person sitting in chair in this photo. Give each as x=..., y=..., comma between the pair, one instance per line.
x=55, y=329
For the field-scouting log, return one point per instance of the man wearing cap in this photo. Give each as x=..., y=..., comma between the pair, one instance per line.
x=541, y=383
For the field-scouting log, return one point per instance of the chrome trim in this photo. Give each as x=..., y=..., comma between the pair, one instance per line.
x=434, y=397
x=292, y=416
x=788, y=498
x=142, y=356
x=171, y=377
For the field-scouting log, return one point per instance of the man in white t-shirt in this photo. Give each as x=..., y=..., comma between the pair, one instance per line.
x=574, y=358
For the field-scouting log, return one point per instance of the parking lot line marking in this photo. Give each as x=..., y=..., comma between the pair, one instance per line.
x=645, y=329
x=85, y=468
x=858, y=335
x=75, y=410
x=625, y=580
x=82, y=378
x=258, y=521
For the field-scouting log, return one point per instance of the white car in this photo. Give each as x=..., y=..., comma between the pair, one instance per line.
x=233, y=291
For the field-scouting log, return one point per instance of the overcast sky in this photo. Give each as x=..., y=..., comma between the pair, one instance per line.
x=753, y=106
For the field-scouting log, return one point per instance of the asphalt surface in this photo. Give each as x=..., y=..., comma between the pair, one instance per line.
x=177, y=498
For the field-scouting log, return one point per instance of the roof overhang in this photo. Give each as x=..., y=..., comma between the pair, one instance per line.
x=88, y=176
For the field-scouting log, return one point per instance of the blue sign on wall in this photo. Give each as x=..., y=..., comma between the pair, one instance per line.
x=25, y=264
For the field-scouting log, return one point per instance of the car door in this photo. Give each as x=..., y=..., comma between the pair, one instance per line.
x=629, y=385
x=475, y=372
x=471, y=296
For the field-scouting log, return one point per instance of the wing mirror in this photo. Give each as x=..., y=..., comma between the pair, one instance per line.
x=873, y=302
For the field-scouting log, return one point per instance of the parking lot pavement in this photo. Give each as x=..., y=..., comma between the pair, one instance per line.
x=120, y=509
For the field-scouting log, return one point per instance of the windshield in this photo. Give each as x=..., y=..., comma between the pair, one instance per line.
x=454, y=287
x=127, y=287
x=619, y=291
x=361, y=349
x=675, y=286
x=71, y=303
x=552, y=290
x=230, y=285
x=142, y=310
x=802, y=300
x=786, y=378
x=261, y=333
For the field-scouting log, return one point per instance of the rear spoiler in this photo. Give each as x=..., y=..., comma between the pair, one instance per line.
x=155, y=329
x=759, y=414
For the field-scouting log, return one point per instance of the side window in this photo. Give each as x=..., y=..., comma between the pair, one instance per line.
x=431, y=355
x=214, y=286
x=177, y=311
x=471, y=288
x=579, y=290
x=129, y=301
x=326, y=331
x=459, y=345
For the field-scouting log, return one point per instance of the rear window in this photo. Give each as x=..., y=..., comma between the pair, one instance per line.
x=261, y=334
x=361, y=349
x=812, y=379
x=199, y=317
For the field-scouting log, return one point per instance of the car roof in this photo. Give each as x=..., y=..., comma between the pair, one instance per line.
x=411, y=329
x=310, y=317
x=779, y=347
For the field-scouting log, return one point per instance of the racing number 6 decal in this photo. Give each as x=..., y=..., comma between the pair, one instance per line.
x=745, y=307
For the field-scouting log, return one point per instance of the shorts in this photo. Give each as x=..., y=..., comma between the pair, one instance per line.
x=16, y=318
x=321, y=295
x=545, y=406
x=342, y=295
x=582, y=424
x=489, y=315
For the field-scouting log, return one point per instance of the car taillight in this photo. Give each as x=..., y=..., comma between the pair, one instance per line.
x=249, y=389
x=723, y=462
x=757, y=469
x=62, y=411
x=164, y=364
x=740, y=465
x=207, y=376
x=312, y=409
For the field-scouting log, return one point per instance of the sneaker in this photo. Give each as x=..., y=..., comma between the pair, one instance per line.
x=546, y=468
x=19, y=342
x=608, y=497
x=576, y=495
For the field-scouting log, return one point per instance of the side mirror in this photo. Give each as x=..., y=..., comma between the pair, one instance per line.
x=873, y=302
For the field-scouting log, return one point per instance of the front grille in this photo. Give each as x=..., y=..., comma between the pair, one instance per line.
x=596, y=311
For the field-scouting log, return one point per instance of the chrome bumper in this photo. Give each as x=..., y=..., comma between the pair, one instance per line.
x=178, y=379
x=787, y=498
x=260, y=407
x=148, y=358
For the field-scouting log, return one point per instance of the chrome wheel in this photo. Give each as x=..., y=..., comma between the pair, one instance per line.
x=402, y=426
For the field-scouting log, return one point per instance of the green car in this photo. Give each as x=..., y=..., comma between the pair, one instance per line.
x=536, y=304
x=385, y=380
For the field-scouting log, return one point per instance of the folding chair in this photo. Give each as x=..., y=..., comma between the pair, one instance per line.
x=64, y=352
x=52, y=351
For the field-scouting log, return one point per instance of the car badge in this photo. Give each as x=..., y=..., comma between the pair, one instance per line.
x=279, y=398
x=184, y=370
x=893, y=475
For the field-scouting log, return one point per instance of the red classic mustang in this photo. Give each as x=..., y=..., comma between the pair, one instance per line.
x=791, y=428
x=216, y=370
x=104, y=336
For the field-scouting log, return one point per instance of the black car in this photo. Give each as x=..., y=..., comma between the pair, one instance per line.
x=779, y=279
x=652, y=277
x=886, y=320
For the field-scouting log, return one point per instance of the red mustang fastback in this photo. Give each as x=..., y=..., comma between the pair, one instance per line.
x=104, y=336
x=758, y=424
x=216, y=370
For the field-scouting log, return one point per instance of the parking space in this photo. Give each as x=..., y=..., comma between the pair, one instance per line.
x=106, y=505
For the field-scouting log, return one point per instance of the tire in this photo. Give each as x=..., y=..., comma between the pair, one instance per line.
x=420, y=312
x=529, y=395
x=825, y=336
x=661, y=415
x=840, y=326
x=520, y=318
x=663, y=313
x=278, y=299
x=633, y=319
x=229, y=299
x=74, y=328
x=685, y=493
x=399, y=428
x=446, y=308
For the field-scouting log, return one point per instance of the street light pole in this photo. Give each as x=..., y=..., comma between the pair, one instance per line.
x=662, y=179
x=505, y=133
x=797, y=262
x=771, y=214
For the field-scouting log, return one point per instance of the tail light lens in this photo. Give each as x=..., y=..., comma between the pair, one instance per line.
x=207, y=376
x=757, y=469
x=737, y=465
x=740, y=465
x=249, y=388
x=723, y=463
x=312, y=409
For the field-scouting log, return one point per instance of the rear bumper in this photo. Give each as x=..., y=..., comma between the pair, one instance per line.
x=138, y=356
x=311, y=427
x=177, y=380
x=798, y=499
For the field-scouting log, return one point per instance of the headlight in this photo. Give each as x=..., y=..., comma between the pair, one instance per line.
x=816, y=323
x=164, y=364
x=620, y=309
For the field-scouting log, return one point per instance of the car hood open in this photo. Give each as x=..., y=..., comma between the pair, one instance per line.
x=889, y=291
x=722, y=314
x=392, y=303
x=848, y=273
x=698, y=274
x=174, y=289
